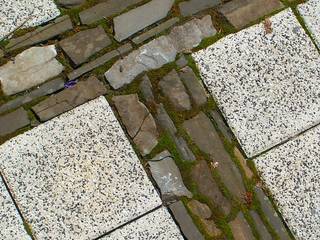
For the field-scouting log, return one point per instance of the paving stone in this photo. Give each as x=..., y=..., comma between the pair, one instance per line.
x=241, y=229
x=310, y=13
x=173, y=89
x=84, y=44
x=243, y=162
x=165, y=121
x=182, y=61
x=14, y=14
x=129, y=23
x=156, y=30
x=211, y=228
x=146, y=89
x=99, y=61
x=79, y=173
x=28, y=69
x=1, y=53
x=105, y=10
x=191, y=7
x=183, y=149
x=204, y=135
x=70, y=3
x=242, y=12
x=199, y=209
x=41, y=34
x=261, y=228
x=218, y=119
x=69, y=98
x=167, y=176
x=155, y=225
x=196, y=90
x=206, y=185
x=11, y=224
x=272, y=80
x=13, y=121
x=185, y=222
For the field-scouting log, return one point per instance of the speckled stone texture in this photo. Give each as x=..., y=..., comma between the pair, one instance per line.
x=28, y=13
x=266, y=84
x=291, y=173
x=157, y=225
x=77, y=176
x=310, y=11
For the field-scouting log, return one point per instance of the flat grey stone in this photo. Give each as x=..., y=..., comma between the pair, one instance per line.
x=196, y=90
x=183, y=149
x=84, y=44
x=206, y=185
x=242, y=12
x=131, y=22
x=105, y=10
x=191, y=7
x=1, y=53
x=70, y=3
x=146, y=89
x=44, y=89
x=211, y=228
x=240, y=228
x=99, y=61
x=156, y=30
x=165, y=121
x=167, y=176
x=224, y=129
x=204, y=135
x=41, y=34
x=265, y=84
x=199, y=209
x=173, y=89
x=182, y=61
x=189, y=230
x=69, y=98
x=30, y=68
x=80, y=173
x=261, y=228
x=13, y=121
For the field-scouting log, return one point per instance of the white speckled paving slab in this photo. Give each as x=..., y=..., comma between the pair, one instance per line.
x=292, y=174
x=310, y=11
x=11, y=224
x=157, y=225
x=77, y=176
x=266, y=84
x=14, y=13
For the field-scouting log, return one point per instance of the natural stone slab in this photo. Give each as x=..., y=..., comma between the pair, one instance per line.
x=173, y=89
x=164, y=120
x=272, y=84
x=156, y=30
x=200, y=209
x=242, y=12
x=211, y=228
x=70, y=3
x=182, y=61
x=30, y=68
x=11, y=224
x=60, y=25
x=183, y=149
x=79, y=172
x=261, y=228
x=131, y=22
x=146, y=89
x=13, y=121
x=99, y=61
x=84, y=44
x=185, y=222
x=105, y=10
x=44, y=89
x=241, y=229
x=167, y=176
x=243, y=162
x=218, y=119
x=191, y=7
x=69, y=98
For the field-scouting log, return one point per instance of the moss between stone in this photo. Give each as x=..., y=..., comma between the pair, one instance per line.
x=28, y=229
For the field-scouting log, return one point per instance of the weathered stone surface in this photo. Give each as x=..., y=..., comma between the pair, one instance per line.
x=196, y=90
x=207, y=139
x=156, y=30
x=131, y=22
x=172, y=88
x=164, y=120
x=243, y=162
x=84, y=44
x=182, y=61
x=242, y=12
x=240, y=228
x=44, y=89
x=79, y=172
x=60, y=25
x=183, y=149
x=167, y=176
x=261, y=228
x=70, y=3
x=30, y=68
x=193, y=6
x=1, y=53
x=69, y=98
x=207, y=186
x=185, y=222
x=199, y=209
x=221, y=125
x=211, y=228
x=13, y=121
x=146, y=89
x=105, y=10
x=99, y=61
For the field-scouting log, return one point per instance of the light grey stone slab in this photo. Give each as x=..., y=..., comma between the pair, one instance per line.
x=145, y=88
x=182, y=61
x=30, y=68
x=13, y=121
x=272, y=79
x=79, y=173
x=184, y=149
x=131, y=22
x=310, y=13
x=70, y=3
x=191, y=7
x=240, y=228
x=11, y=224
x=155, y=225
x=165, y=121
x=225, y=130
x=261, y=228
